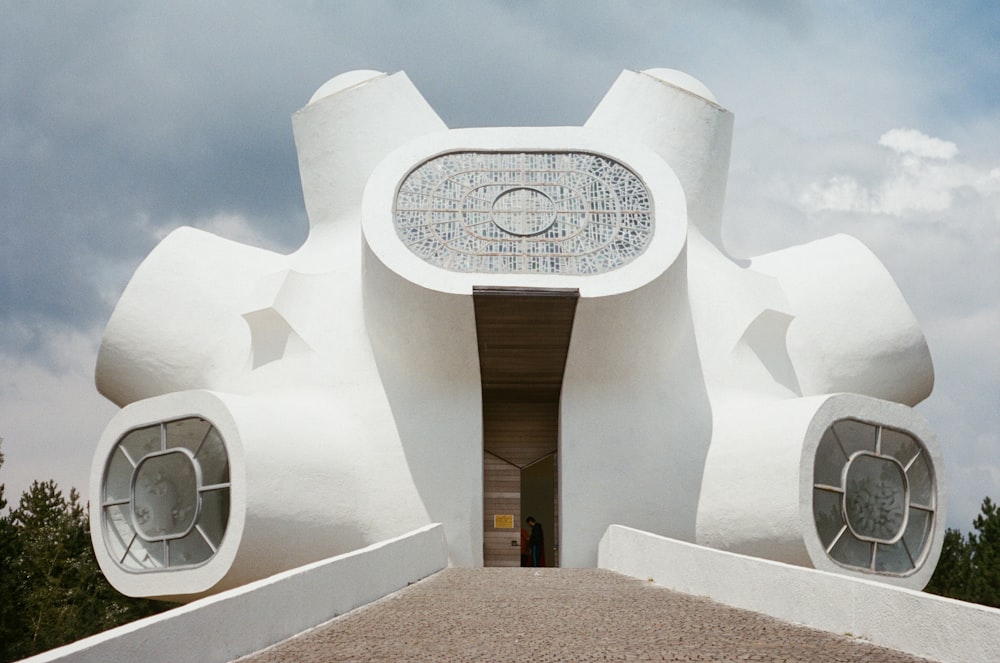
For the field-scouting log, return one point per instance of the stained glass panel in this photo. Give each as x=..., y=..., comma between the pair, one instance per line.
x=574, y=212
x=883, y=481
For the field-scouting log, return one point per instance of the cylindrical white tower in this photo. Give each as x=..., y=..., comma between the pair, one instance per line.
x=676, y=115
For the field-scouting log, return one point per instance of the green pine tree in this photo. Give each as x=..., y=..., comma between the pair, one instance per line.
x=51, y=536
x=52, y=591
x=985, y=544
x=953, y=574
x=969, y=568
x=11, y=622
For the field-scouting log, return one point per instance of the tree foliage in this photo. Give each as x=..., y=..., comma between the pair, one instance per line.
x=52, y=591
x=969, y=568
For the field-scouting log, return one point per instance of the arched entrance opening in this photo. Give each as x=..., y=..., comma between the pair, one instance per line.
x=523, y=336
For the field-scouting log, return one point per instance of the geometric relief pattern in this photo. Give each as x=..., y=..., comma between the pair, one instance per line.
x=572, y=213
x=874, y=497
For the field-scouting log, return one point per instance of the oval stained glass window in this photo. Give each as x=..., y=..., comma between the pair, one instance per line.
x=524, y=212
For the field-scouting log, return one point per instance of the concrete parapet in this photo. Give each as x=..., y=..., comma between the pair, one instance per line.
x=902, y=619
x=247, y=619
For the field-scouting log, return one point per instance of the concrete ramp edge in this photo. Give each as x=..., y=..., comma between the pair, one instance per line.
x=248, y=619
x=909, y=621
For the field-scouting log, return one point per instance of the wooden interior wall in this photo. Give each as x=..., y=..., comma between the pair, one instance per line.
x=501, y=496
x=520, y=427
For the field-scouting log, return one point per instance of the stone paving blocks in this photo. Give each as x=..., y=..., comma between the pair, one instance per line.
x=493, y=614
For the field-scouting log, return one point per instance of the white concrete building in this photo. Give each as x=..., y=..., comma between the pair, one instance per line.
x=486, y=324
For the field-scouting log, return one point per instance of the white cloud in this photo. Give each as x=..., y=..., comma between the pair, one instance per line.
x=50, y=413
x=840, y=193
x=911, y=141
x=924, y=177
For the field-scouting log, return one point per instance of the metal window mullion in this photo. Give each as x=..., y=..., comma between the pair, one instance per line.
x=128, y=548
x=840, y=444
x=127, y=455
x=843, y=528
x=909, y=555
x=202, y=443
x=205, y=536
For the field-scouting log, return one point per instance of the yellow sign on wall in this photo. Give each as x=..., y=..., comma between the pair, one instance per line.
x=505, y=521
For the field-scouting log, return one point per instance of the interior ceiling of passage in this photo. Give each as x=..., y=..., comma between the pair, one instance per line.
x=523, y=336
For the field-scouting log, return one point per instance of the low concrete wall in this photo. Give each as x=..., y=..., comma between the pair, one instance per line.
x=250, y=618
x=902, y=619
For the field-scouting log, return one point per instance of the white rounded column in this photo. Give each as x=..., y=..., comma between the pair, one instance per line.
x=675, y=115
x=349, y=125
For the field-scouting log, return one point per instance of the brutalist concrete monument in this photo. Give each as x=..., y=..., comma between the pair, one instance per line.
x=488, y=323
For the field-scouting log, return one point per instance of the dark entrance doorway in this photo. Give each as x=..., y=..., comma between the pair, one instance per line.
x=523, y=337
x=539, y=498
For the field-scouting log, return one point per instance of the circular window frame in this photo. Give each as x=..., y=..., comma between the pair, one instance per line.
x=551, y=213
x=116, y=540
x=931, y=509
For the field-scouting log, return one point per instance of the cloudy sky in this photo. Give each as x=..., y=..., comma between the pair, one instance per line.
x=120, y=121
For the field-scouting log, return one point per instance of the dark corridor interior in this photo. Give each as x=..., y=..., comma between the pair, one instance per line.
x=523, y=336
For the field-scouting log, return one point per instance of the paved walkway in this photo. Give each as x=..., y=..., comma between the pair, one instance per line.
x=559, y=615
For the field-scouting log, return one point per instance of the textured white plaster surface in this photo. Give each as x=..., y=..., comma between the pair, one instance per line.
x=852, y=329
x=345, y=380
x=635, y=418
x=903, y=619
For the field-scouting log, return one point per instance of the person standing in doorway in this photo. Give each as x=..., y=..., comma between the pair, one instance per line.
x=536, y=542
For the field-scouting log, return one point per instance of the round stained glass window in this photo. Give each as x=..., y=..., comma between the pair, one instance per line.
x=524, y=212
x=874, y=497
x=165, y=499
